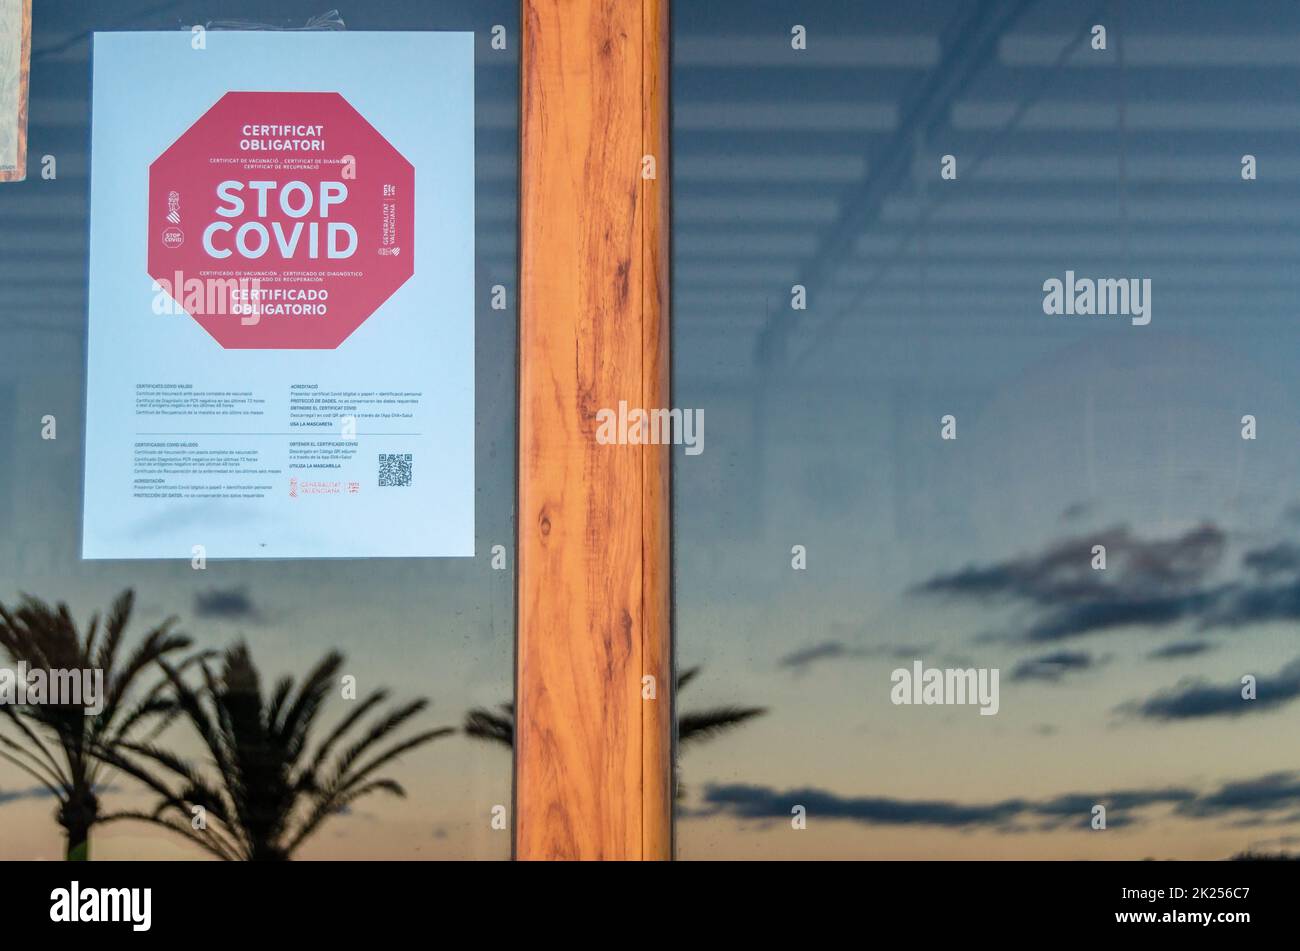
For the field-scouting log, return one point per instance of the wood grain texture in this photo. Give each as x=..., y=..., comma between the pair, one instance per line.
x=658, y=726
x=593, y=760
x=20, y=15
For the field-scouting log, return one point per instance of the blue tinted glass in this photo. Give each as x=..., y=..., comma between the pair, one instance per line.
x=989, y=307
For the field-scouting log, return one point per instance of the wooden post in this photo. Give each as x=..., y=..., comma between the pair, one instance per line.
x=593, y=759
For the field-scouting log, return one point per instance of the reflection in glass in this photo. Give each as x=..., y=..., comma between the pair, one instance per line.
x=912, y=461
x=432, y=631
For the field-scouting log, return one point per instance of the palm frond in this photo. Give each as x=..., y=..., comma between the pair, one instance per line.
x=279, y=697
x=348, y=782
x=346, y=788
x=114, y=630
x=47, y=756
x=311, y=694
x=377, y=732
x=702, y=725
x=157, y=645
x=59, y=792
x=483, y=724
x=686, y=676
x=207, y=843
x=344, y=727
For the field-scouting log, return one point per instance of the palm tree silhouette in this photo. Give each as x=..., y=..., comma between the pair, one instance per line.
x=56, y=742
x=264, y=793
x=498, y=725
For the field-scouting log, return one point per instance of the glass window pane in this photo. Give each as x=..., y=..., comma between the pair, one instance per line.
x=437, y=629
x=991, y=316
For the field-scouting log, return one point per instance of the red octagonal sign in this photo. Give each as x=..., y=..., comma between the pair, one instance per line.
x=281, y=220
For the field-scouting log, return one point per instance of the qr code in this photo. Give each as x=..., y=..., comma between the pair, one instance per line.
x=394, y=468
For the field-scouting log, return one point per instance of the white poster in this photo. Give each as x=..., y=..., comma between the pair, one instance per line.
x=281, y=342
x=15, y=60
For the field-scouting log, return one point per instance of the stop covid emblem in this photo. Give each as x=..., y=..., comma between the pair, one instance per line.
x=281, y=220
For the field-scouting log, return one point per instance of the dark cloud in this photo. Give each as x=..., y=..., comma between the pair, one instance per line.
x=17, y=795
x=231, y=604
x=826, y=650
x=1076, y=511
x=761, y=802
x=744, y=801
x=1052, y=667
x=1242, y=604
x=899, y=651
x=1121, y=806
x=1283, y=558
x=805, y=657
x=1064, y=572
x=1146, y=583
x=1105, y=614
x=1196, y=699
x=1180, y=649
x=1263, y=794
x=1269, y=799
